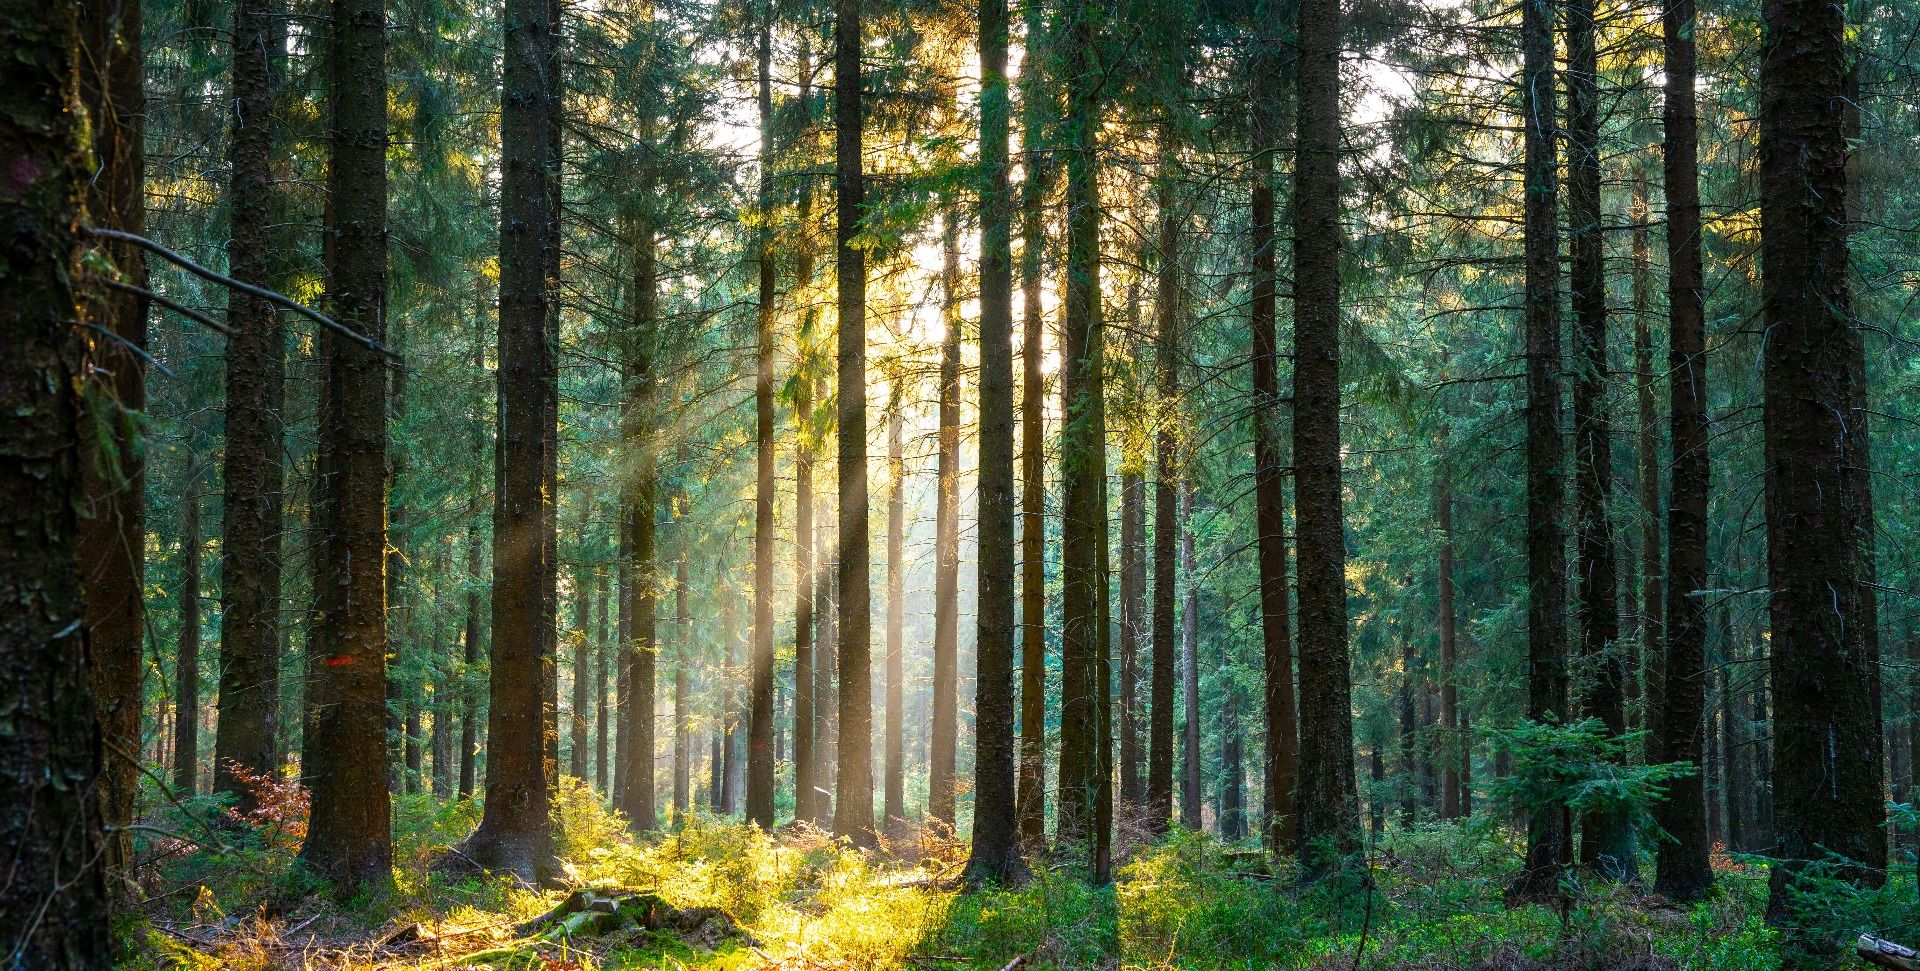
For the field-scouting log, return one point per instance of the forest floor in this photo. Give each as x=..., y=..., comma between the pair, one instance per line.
x=795, y=899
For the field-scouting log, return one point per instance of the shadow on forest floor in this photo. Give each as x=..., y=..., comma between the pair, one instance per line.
x=1431, y=899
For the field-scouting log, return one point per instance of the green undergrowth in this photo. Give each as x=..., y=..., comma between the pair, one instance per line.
x=1430, y=898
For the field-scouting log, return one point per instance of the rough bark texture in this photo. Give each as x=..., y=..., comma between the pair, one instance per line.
x=348, y=835
x=514, y=833
x=1082, y=449
x=1133, y=629
x=1281, y=827
x=995, y=857
x=636, y=796
x=470, y=657
x=894, y=811
x=1190, y=796
x=1606, y=842
x=1166, y=474
x=682, y=718
x=1328, y=804
x=1452, y=743
x=1036, y=176
x=1827, y=771
x=944, y=737
x=1549, y=831
x=55, y=906
x=760, y=711
x=804, y=756
x=112, y=537
x=583, y=654
x=853, y=801
x=1649, y=638
x=186, y=674
x=1683, y=870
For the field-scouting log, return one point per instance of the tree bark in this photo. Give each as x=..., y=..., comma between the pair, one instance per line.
x=1280, y=830
x=944, y=740
x=55, y=908
x=1682, y=870
x=896, y=785
x=584, y=651
x=1133, y=629
x=1549, y=830
x=1606, y=844
x=853, y=803
x=1452, y=741
x=514, y=833
x=1827, y=773
x=995, y=857
x=1190, y=794
x=1082, y=449
x=1166, y=530
x=682, y=717
x=186, y=681
x=112, y=529
x=804, y=756
x=604, y=648
x=348, y=834
x=1328, y=803
x=1035, y=180
x=760, y=777
x=1651, y=640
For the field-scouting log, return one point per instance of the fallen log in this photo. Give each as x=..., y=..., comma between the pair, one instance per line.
x=1887, y=954
x=592, y=912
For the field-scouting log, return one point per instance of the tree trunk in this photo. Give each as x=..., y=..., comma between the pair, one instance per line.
x=826, y=711
x=853, y=803
x=1606, y=844
x=995, y=856
x=643, y=647
x=1549, y=830
x=1327, y=803
x=604, y=647
x=1409, y=736
x=1166, y=530
x=682, y=718
x=584, y=651
x=944, y=738
x=805, y=756
x=1683, y=871
x=729, y=720
x=470, y=658
x=1827, y=776
x=348, y=833
x=1082, y=449
x=1233, y=772
x=514, y=833
x=1036, y=177
x=52, y=838
x=1190, y=797
x=1133, y=629
x=896, y=784
x=1281, y=829
x=186, y=697
x=1452, y=738
x=112, y=529
x=250, y=541
x=760, y=778
x=1650, y=640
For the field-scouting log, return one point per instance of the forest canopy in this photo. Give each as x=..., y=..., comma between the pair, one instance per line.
x=886, y=483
